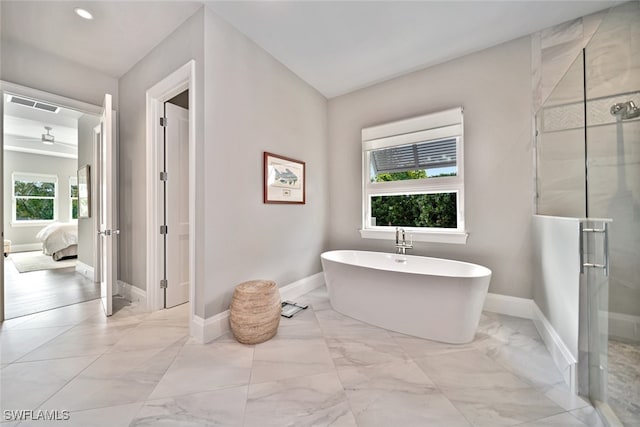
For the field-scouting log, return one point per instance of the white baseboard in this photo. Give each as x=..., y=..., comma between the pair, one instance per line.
x=85, y=270
x=624, y=326
x=302, y=286
x=131, y=293
x=562, y=357
x=26, y=247
x=527, y=309
x=205, y=330
x=511, y=306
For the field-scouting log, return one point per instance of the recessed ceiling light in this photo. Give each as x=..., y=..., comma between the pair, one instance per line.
x=83, y=13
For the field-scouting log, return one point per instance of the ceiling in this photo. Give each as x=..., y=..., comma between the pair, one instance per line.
x=341, y=46
x=336, y=46
x=24, y=126
x=120, y=35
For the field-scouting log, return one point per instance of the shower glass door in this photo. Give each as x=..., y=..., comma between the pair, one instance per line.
x=612, y=89
x=588, y=167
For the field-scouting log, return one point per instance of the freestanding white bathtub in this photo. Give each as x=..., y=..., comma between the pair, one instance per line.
x=432, y=298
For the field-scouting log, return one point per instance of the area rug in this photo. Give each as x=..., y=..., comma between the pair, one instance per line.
x=36, y=260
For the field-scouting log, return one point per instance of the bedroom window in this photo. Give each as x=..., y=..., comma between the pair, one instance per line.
x=413, y=177
x=73, y=196
x=34, y=198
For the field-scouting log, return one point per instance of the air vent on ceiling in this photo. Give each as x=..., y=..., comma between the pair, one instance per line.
x=33, y=104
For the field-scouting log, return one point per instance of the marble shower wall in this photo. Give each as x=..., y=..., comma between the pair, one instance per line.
x=612, y=76
x=612, y=42
x=560, y=148
x=557, y=84
x=554, y=50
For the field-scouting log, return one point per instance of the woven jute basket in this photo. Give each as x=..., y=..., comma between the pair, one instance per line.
x=255, y=311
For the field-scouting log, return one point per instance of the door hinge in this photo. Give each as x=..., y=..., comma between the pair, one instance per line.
x=163, y=122
x=164, y=229
x=164, y=176
x=164, y=283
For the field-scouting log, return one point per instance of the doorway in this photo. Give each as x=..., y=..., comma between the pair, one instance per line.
x=50, y=244
x=171, y=230
x=176, y=200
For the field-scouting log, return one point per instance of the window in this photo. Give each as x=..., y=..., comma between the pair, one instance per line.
x=34, y=198
x=413, y=178
x=73, y=196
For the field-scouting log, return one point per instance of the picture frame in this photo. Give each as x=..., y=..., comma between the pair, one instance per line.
x=284, y=180
x=84, y=192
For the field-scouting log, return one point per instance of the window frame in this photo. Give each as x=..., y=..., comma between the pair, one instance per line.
x=71, y=198
x=27, y=177
x=431, y=127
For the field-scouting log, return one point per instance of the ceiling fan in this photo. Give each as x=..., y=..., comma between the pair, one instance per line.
x=48, y=138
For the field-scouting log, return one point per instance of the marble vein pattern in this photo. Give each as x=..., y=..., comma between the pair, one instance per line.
x=199, y=368
x=317, y=400
x=321, y=369
x=397, y=393
x=624, y=380
x=195, y=409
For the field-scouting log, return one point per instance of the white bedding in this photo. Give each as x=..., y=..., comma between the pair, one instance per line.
x=58, y=236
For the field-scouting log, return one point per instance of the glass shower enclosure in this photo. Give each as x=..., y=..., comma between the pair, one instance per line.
x=588, y=167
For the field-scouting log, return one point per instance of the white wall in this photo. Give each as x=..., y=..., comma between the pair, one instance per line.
x=35, y=163
x=177, y=49
x=31, y=67
x=246, y=103
x=557, y=275
x=255, y=104
x=494, y=87
x=87, y=226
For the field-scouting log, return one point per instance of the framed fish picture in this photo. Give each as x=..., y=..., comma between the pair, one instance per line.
x=284, y=179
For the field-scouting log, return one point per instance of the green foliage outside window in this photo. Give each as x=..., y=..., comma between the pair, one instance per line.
x=34, y=200
x=34, y=189
x=401, y=176
x=34, y=209
x=438, y=210
x=74, y=208
x=74, y=201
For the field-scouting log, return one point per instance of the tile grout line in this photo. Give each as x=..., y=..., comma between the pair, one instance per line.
x=67, y=382
x=437, y=387
x=80, y=372
x=18, y=360
x=102, y=355
x=335, y=368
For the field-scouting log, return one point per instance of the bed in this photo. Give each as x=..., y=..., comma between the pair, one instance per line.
x=60, y=240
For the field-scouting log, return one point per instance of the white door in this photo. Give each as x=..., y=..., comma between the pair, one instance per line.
x=177, y=205
x=107, y=207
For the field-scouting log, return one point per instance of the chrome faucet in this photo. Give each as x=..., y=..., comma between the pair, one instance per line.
x=402, y=245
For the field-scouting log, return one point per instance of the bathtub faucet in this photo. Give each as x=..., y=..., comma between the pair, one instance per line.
x=402, y=245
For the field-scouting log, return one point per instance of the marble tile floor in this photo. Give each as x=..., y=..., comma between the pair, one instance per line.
x=623, y=381
x=321, y=369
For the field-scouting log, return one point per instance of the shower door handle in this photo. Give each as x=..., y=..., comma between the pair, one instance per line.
x=605, y=257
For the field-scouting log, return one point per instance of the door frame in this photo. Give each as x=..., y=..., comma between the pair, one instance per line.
x=97, y=202
x=173, y=84
x=72, y=104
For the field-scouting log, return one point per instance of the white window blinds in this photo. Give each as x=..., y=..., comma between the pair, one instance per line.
x=424, y=155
